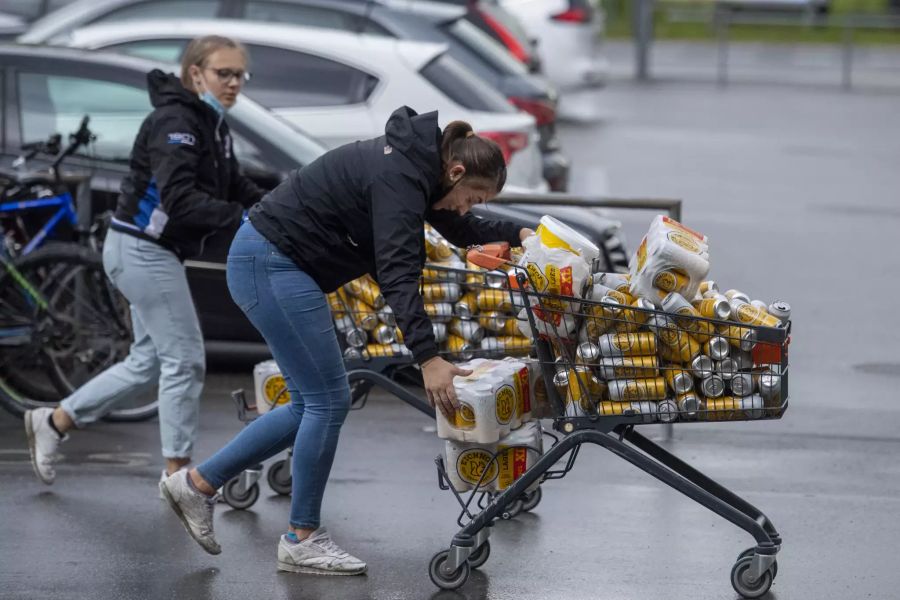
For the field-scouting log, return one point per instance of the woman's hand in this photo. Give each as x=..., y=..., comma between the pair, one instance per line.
x=524, y=233
x=438, y=375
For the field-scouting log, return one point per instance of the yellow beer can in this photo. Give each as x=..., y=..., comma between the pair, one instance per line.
x=363, y=314
x=631, y=390
x=671, y=280
x=440, y=292
x=629, y=367
x=627, y=344
x=684, y=346
x=746, y=313
x=366, y=290
x=494, y=300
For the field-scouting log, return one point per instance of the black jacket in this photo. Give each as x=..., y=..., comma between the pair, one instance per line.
x=361, y=208
x=184, y=183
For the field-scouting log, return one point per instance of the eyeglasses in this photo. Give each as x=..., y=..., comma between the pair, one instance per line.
x=226, y=75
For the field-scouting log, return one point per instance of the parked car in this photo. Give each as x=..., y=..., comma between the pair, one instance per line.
x=420, y=21
x=567, y=34
x=342, y=87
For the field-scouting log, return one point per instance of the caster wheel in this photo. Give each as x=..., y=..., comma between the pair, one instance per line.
x=480, y=556
x=740, y=579
x=750, y=551
x=514, y=508
x=447, y=582
x=237, y=500
x=279, y=477
x=532, y=500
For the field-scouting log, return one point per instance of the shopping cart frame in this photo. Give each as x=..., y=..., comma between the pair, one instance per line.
x=755, y=568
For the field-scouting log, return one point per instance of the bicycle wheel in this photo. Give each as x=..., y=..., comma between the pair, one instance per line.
x=81, y=329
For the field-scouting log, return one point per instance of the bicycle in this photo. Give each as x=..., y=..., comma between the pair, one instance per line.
x=61, y=321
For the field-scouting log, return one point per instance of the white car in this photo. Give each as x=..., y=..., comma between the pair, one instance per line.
x=341, y=87
x=568, y=35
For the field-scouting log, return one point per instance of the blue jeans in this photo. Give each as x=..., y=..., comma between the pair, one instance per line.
x=167, y=347
x=292, y=314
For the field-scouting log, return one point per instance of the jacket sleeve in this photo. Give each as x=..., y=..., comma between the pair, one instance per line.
x=242, y=188
x=469, y=229
x=397, y=229
x=174, y=161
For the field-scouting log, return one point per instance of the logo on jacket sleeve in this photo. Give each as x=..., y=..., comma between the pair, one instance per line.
x=388, y=149
x=187, y=139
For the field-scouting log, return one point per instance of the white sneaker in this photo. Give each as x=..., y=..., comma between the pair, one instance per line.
x=193, y=508
x=43, y=442
x=318, y=555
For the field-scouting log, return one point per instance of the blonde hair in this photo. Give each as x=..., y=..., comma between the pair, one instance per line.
x=199, y=51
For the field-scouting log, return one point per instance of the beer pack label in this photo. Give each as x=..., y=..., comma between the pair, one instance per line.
x=506, y=404
x=274, y=387
x=523, y=390
x=513, y=463
x=537, y=278
x=464, y=418
x=471, y=465
x=684, y=241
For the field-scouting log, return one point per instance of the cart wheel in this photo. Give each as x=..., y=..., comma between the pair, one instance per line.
x=740, y=579
x=279, y=477
x=512, y=510
x=237, y=500
x=480, y=556
x=455, y=580
x=750, y=551
x=532, y=499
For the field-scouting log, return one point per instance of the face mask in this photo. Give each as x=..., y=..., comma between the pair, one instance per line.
x=213, y=103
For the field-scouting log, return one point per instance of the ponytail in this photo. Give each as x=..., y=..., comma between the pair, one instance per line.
x=480, y=156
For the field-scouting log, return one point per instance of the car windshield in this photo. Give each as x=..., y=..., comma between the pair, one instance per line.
x=486, y=47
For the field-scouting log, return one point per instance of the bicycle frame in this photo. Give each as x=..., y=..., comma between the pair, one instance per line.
x=18, y=335
x=66, y=205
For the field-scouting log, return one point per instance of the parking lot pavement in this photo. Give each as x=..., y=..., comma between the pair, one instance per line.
x=796, y=188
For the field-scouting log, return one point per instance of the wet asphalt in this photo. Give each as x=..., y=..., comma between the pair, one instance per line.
x=796, y=186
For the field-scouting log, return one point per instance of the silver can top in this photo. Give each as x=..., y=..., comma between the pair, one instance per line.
x=780, y=310
x=702, y=366
x=712, y=386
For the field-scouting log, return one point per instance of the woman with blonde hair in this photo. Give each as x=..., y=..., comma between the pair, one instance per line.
x=184, y=185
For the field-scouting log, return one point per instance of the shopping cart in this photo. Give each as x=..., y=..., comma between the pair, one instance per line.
x=588, y=408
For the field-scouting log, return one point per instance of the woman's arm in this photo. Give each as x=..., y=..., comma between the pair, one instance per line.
x=468, y=230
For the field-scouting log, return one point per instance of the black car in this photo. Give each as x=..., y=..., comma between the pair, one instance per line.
x=419, y=21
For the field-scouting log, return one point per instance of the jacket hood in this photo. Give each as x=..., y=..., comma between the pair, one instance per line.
x=418, y=137
x=166, y=88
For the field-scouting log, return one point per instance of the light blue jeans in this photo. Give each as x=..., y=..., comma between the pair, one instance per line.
x=167, y=348
x=292, y=314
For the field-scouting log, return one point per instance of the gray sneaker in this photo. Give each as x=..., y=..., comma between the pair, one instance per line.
x=318, y=555
x=43, y=442
x=193, y=508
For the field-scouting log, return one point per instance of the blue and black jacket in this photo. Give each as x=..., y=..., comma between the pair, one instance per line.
x=184, y=182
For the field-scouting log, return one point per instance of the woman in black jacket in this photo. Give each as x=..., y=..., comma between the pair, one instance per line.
x=183, y=186
x=360, y=208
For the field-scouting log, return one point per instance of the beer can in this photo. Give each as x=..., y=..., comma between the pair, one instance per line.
x=667, y=410
x=629, y=367
x=466, y=307
x=440, y=312
x=712, y=386
x=708, y=286
x=688, y=405
x=493, y=321
x=365, y=289
x=467, y=330
x=631, y=320
x=379, y=350
x=459, y=347
x=496, y=279
x=753, y=406
x=615, y=281
x=386, y=316
x=746, y=313
x=384, y=334
x=680, y=381
x=742, y=384
x=363, y=314
x=647, y=410
x=732, y=294
x=491, y=346
x=440, y=292
x=726, y=367
x=671, y=280
x=627, y=344
x=588, y=353
x=630, y=390
x=344, y=323
x=337, y=301
x=595, y=323
x=511, y=327
x=436, y=247
x=438, y=329
x=356, y=337
x=684, y=345
x=717, y=348
x=770, y=389
x=676, y=304
x=398, y=335
x=780, y=310
x=762, y=306
x=576, y=388
x=515, y=345
x=702, y=366
x=726, y=408
x=352, y=353
x=742, y=338
x=743, y=359
x=716, y=307
x=493, y=300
